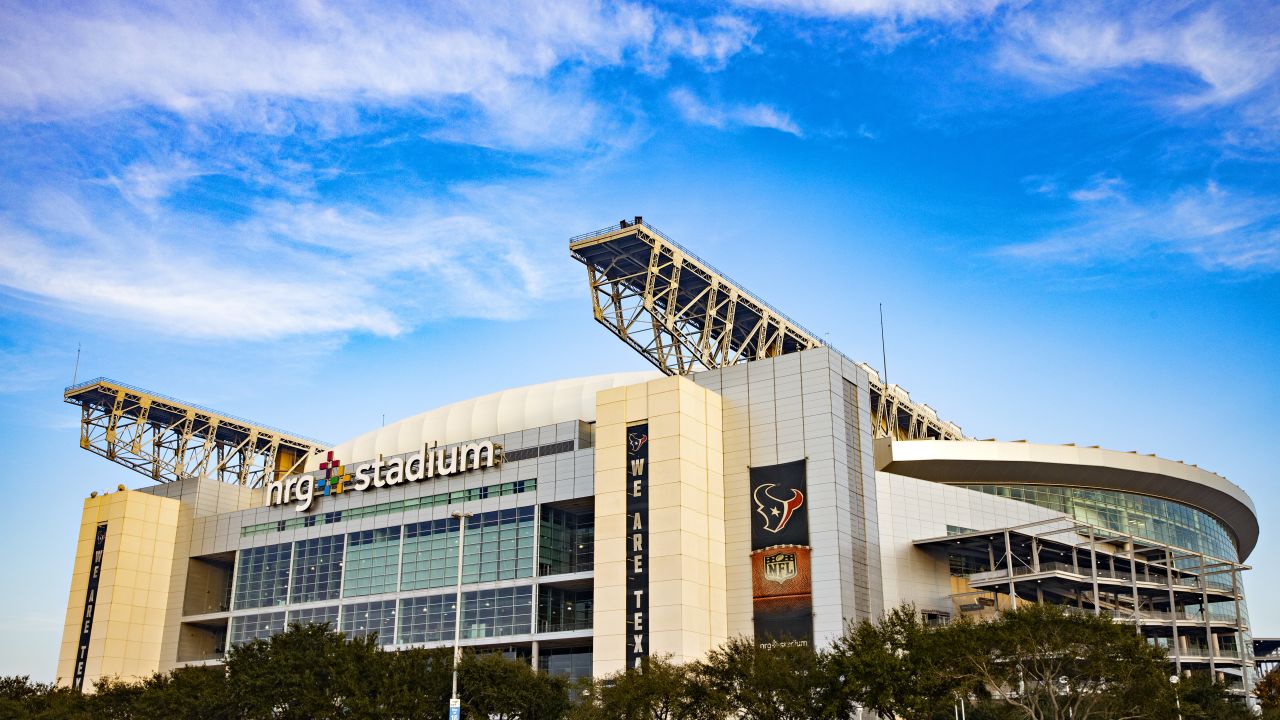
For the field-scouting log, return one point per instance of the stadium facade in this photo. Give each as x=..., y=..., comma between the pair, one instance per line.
x=757, y=483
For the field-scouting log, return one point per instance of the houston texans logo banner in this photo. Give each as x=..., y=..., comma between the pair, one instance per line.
x=781, y=578
x=779, y=515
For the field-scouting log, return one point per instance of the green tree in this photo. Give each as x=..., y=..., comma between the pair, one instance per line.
x=780, y=681
x=1049, y=664
x=899, y=667
x=22, y=698
x=416, y=684
x=494, y=687
x=662, y=691
x=305, y=672
x=191, y=693
x=1202, y=698
x=1267, y=690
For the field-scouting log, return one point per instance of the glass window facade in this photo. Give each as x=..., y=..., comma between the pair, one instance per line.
x=369, y=618
x=373, y=557
x=317, y=569
x=427, y=619
x=1155, y=519
x=498, y=612
x=560, y=610
x=572, y=663
x=499, y=547
x=567, y=542
x=315, y=616
x=262, y=576
x=246, y=628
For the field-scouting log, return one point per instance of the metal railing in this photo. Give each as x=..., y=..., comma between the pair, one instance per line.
x=545, y=626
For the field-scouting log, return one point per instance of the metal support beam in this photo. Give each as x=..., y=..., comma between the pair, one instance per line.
x=167, y=439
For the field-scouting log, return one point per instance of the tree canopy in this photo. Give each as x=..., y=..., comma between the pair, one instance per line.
x=1034, y=663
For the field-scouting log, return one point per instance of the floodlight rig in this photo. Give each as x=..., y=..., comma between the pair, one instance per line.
x=683, y=316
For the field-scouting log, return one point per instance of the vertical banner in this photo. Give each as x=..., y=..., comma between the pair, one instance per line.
x=781, y=577
x=90, y=600
x=637, y=544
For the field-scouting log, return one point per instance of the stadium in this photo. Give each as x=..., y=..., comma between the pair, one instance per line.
x=756, y=482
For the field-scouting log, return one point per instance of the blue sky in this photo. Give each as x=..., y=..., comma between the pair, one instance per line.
x=317, y=215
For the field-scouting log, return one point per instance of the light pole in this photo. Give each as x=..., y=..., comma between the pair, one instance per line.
x=455, y=704
x=1177, y=701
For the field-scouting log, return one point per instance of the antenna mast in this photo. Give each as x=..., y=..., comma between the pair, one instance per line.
x=884, y=355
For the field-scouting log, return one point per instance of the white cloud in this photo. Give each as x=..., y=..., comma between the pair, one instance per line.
x=896, y=10
x=695, y=110
x=1228, y=57
x=1100, y=187
x=292, y=269
x=1218, y=229
x=481, y=59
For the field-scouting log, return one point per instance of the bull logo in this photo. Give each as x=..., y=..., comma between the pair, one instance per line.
x=776, y=512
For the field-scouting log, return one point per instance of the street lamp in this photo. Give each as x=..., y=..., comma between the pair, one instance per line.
x=455, y=704
x=1177, y=701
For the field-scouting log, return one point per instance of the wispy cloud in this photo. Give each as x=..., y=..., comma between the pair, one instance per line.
x=1220, y=230
x=291, y=269
x=897, y=10
x=1226, y=55
x=497, y=64
x=700, y=112
x=1099, y=187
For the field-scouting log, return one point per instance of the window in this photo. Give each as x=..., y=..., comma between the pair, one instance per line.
x=317, y=569
x=499, y=547
x=427, y=619
x=315, y=616
x=246, y=628
x=372, y=560
x=567, y=542
x=371, y=618
x=262, y=576
x=496, y=613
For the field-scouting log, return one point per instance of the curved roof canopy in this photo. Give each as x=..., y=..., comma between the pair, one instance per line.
x=497, y=413
x=986, y=462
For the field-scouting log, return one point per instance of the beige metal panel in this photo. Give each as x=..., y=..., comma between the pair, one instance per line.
x=133, y=590
x=687, y=616
x=990, y=462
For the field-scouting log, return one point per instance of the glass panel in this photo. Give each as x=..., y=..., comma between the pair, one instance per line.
x=317, y=569
x=253, y=627
x=427, y=619
x=315, y=616
x=262, y=576
x=372, y=557
x=1163, y=521
x=499, y=547
x=497, y=612
x=369, y=618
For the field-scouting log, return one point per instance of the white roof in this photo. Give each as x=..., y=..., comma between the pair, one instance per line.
x=497, y=413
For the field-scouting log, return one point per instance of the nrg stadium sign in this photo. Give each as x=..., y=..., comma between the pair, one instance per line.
x=337, y=478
